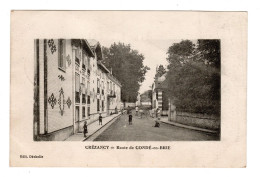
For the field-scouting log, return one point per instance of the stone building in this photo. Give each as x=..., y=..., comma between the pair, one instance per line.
x=159, y=97
x=71, y=86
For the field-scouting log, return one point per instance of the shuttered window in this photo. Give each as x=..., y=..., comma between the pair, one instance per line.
x=61, y=55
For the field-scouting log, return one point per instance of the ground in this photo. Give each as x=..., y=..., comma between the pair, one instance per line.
x=142, y=130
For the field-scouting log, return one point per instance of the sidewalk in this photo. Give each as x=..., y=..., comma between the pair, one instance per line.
x=93, y=128
x=166, y=121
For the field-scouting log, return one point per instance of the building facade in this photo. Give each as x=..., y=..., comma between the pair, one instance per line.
x=71, y=86
x=159, y=95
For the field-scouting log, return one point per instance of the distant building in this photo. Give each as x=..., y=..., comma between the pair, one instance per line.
x=71, y=86
x=145, y=99
x=159, y=96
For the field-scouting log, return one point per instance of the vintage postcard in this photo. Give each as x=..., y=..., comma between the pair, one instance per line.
x=128, y=89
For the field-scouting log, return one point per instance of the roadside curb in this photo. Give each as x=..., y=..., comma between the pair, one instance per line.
x=189, y=127
x=101, y=127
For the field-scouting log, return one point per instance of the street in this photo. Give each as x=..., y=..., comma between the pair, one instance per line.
x=143, y=130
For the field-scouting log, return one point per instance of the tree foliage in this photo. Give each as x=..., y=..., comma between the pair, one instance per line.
x=180, y=53
x=160, y=71
x=127, y=66
x=194, y=76
x=209, y=51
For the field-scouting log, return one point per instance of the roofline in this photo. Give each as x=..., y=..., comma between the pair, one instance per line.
x=103, y=66
x=114, y=79
x=89, y=47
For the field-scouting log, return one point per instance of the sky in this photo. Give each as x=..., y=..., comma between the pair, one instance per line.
x=154, y=51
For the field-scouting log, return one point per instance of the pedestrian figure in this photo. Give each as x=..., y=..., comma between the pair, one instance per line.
x=130, y=117
x=141, y=113
x=100, y=119
x=157, y=123
x=158, y=113
x=85, y=128
x=122, y=111
x=128, y=110
x=136, y=110
x=151, y=113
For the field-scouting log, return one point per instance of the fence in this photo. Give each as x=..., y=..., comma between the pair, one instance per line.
x=199, y=120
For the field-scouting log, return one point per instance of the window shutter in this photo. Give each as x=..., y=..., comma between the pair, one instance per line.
x=63, y=54
x=77, y=83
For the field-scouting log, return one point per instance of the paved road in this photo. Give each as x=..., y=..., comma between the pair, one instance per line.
x=143, y=130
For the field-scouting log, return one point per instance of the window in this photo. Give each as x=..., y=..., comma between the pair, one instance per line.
x=88, y=65
x=88, y=89
x=102, y=105
x=84, y=61
x=83, y=90
x=102, y=85
x=77, y=85
x=61, y=54
x=83, y=98
x=88, y=111
x=114, y=88
x=98, y=86
x=77, y=114
x=88, y=72
x=77, y=56
x=88, y=62
x=83, y=112
x=88, y=99
x=98, y=105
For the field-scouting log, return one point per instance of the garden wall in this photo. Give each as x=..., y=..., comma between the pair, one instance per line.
x=199, y=120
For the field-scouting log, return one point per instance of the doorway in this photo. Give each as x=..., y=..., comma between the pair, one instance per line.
x=77, y=119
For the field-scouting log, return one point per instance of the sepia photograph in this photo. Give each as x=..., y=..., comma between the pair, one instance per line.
x=91, y=90
x=128, y=89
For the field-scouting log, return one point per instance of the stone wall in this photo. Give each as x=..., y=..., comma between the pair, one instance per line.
x=199, y=120
x=129, y=104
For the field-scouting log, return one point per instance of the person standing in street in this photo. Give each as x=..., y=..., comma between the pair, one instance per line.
x=136, y=110
x=100, y=119
x=157, y=123
x=85, y=128
x=158, y=113
x=130, y=117
x=141, y=113
x=151, y=112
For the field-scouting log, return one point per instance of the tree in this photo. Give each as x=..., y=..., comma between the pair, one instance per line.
x=210, y=51
x=127, y=66
x=181, y=52
x=160, y=71
x=193, y=83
